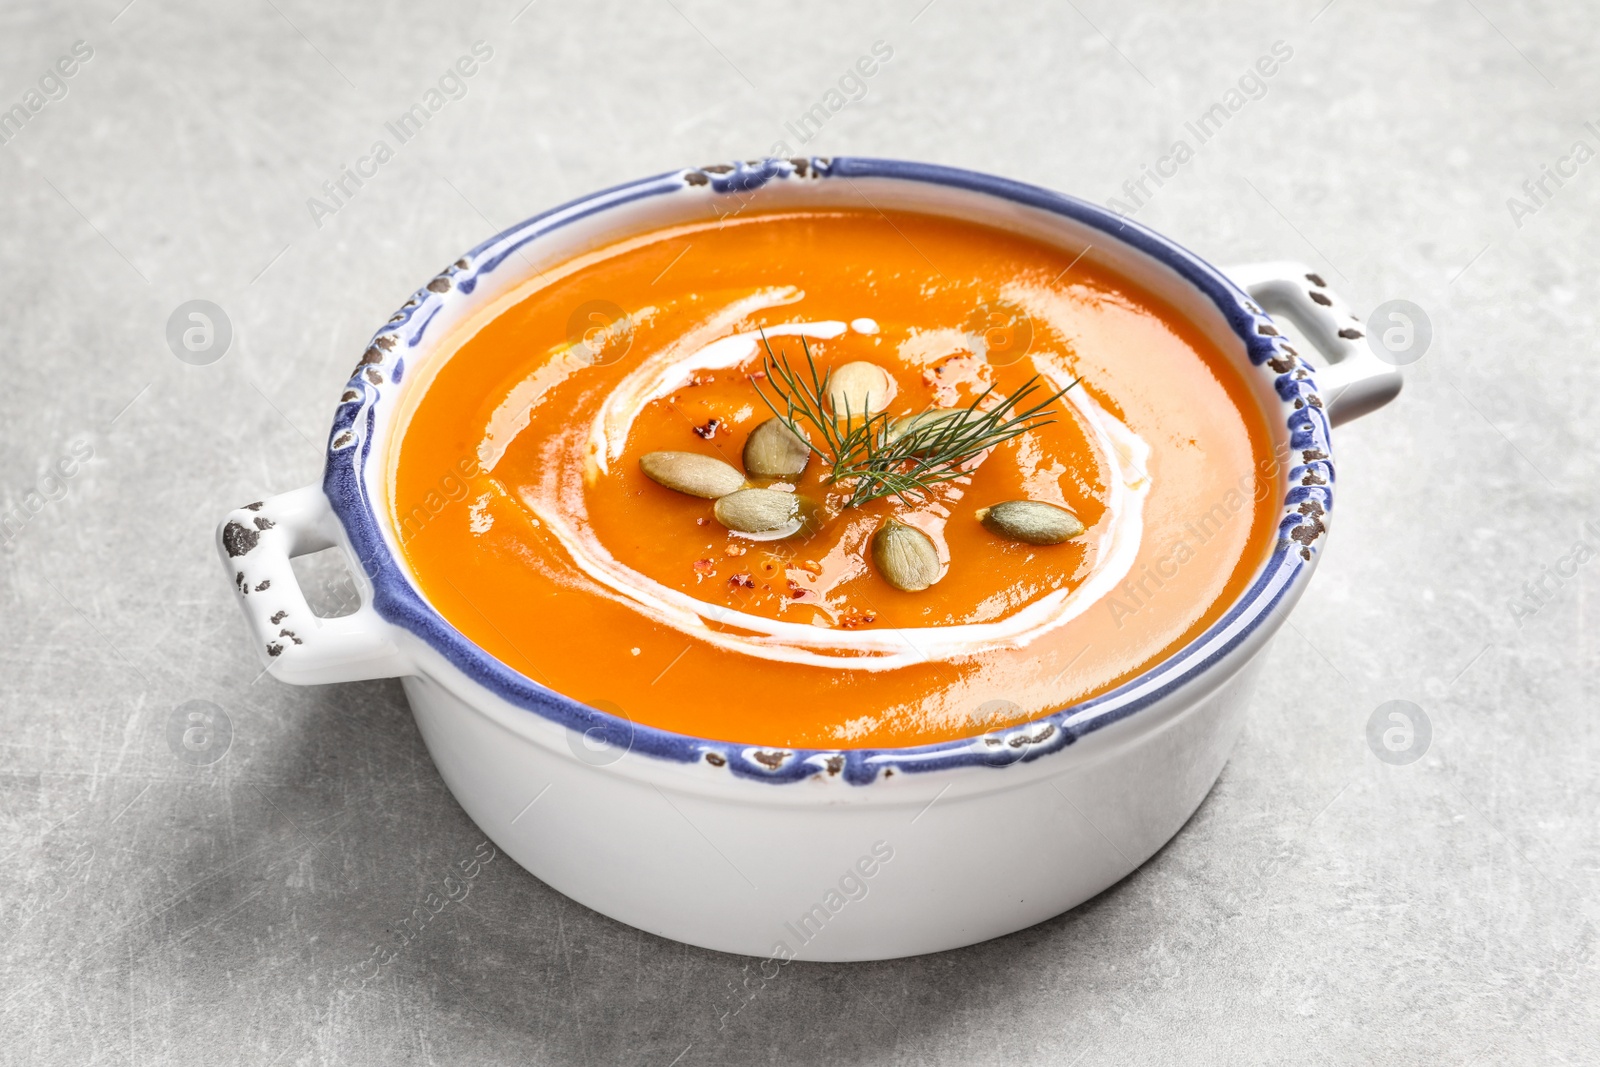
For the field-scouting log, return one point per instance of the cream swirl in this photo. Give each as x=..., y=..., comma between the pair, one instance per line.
x=556, y=502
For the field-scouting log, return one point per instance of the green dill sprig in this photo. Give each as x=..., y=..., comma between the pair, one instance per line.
x=876, y=456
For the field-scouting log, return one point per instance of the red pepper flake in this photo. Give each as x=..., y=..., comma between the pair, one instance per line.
x=855, y=619
x=704, y=566
x=701, y=521
x=742, y=581
x=701, y=379
x=709, y=430
x=796, y=592
x=756, y=374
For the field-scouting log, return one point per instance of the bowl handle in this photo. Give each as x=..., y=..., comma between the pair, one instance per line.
x=256, y=543
x=1353, y=380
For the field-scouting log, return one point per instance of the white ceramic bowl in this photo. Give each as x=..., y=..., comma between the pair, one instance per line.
x=818, y=855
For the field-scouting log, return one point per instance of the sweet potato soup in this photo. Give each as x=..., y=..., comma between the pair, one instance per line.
x=832, y=480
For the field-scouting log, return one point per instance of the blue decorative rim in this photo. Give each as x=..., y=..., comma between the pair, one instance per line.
x=377, y=377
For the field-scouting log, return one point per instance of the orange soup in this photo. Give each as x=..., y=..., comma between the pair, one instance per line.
x=1006, y=480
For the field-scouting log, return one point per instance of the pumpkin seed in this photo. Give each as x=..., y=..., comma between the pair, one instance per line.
x=860, y=388
x=928, y=423
x=1032, y=521
x=905, y=556
x=898, y=428
x=691, y=473
x=774, y=451
x=756, y=511
x=937, y=423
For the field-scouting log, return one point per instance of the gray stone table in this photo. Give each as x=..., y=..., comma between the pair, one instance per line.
x=1323, y=906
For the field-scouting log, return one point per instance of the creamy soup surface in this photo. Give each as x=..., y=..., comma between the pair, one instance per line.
x=527, y=520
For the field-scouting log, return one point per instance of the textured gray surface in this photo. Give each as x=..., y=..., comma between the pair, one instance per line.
x=1322, y=906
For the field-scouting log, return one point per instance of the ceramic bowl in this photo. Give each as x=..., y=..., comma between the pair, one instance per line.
x=839, y=854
